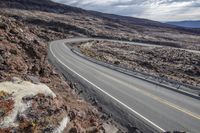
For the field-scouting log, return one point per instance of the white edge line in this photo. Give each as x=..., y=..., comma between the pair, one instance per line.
x=108, y=94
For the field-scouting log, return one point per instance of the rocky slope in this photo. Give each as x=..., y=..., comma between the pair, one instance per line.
x=23, y=54
x=174, y=64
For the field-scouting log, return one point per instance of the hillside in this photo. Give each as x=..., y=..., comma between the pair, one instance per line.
x=26, y=27
x=44, y=5
x=187, y=24
x=97, y=24
x=49, y=6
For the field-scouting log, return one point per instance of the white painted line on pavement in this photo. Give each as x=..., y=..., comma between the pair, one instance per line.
x=108, y=93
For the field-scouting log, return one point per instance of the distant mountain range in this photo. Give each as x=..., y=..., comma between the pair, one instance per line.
x=187, y=24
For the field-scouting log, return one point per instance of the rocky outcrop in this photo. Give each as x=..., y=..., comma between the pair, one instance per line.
x=28, y=107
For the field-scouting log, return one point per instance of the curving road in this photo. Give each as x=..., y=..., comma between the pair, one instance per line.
x=161, y=108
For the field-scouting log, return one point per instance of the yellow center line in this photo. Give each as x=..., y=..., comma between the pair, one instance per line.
x=194, y=115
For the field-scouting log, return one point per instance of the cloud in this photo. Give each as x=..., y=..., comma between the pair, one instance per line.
x=160, y=10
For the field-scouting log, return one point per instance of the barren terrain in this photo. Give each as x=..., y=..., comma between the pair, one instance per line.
x=78, y=22
x=26, y=27
x=168, y=62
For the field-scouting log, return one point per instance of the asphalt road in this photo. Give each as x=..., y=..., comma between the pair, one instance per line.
x=163, y=109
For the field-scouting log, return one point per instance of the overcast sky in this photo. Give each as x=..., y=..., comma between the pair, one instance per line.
x=160, y=10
